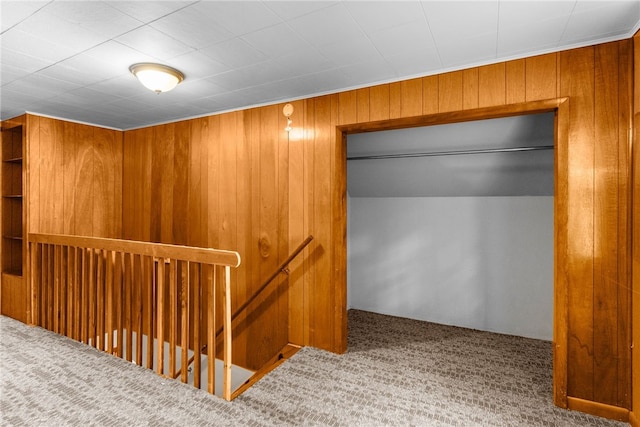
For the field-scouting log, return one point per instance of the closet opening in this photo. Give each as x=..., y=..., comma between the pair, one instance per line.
x=431, y=217
x=453, y=224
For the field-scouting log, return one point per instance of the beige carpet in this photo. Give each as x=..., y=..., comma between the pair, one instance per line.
x=396, y=372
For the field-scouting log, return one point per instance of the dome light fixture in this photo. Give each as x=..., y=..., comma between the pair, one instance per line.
x=156, y=77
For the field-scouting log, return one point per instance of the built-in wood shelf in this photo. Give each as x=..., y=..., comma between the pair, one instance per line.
x=12, y=201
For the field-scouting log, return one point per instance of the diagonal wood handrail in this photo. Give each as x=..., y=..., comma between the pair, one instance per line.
x=282, y=268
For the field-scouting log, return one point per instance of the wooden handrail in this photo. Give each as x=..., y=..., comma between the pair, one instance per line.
x=103, y=291
x=158, y=250
x=281, y=269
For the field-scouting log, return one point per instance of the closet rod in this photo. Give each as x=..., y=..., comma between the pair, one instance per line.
x=451, y=153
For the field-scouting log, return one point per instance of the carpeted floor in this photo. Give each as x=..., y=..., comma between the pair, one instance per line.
x=396, y=372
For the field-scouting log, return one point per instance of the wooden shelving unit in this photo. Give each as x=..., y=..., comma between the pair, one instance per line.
x=13, y=291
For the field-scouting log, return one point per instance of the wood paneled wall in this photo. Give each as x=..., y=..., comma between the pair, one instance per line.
x=635, y=285
x=222, y=182
x=238, y=181
x=75, y=178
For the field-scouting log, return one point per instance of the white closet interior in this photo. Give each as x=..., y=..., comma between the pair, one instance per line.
x=454, y=224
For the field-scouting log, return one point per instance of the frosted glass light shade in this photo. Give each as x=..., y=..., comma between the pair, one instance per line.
x=156, y=77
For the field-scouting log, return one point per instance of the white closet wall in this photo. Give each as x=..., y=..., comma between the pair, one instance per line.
x=479, y=262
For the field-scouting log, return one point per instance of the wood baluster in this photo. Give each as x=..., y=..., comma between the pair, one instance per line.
x=36, y=280
x=159, y=313
x=63, y=264
x=77, y=303
x=138, y=307
x=184, y=306
x=84, y=324
x=127, y=317
x=108, y=321
x=227, y=334
x=211, y=330
x=100, y=294
x=120, y=272
x=150, y=289
x=92, y=295
x=173, y=315
x=196, y=326
x=71, y=291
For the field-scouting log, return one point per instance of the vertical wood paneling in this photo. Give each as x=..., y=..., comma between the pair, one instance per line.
x=309, y=217
x=470, y=89
x=538, y=84
x=106, y=193
x=362, y=98
x=322, y=319
x=606, y=242
x=75, y=135
x=450, y=92
x=379, y=102
x=411, y=97
x=577, y=81
x=51, y=185
x=84, y=174
x=296, y=217
x=395, y=100
x=430, y=95
x=515, y=81
x=625, y=126
x=635, y=238
x=181, y=182
x=348, y=108
x=492, y=85
x=282, y=283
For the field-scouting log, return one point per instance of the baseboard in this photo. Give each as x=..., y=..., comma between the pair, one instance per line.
x=633, y=420
x=598, y=409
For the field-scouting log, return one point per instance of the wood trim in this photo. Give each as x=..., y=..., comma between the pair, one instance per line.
x=157, y=250
x=277, y=360
x=598, y=409
x=561, y=107
x=456, y=116
x=561, y=284
x=634, y=420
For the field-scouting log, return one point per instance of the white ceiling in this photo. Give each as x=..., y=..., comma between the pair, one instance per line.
x=449, y=173
x=70, y=59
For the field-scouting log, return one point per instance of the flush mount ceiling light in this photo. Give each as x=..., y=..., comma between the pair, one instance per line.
x=156, y=77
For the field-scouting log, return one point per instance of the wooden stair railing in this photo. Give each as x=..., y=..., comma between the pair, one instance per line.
x=282, y=268
x=111, y=293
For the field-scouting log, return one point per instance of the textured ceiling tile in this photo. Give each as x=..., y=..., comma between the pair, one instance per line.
x=294, y=9
x=154, y=43
x=329, y=25
x=471, y=18
x=34, y=46
x=234, y=53
x=604, y=19
x=276, y=41
x=94, y=16
x=14, y=12
x=148, y=11
x=379, y=15
x=194, y=26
